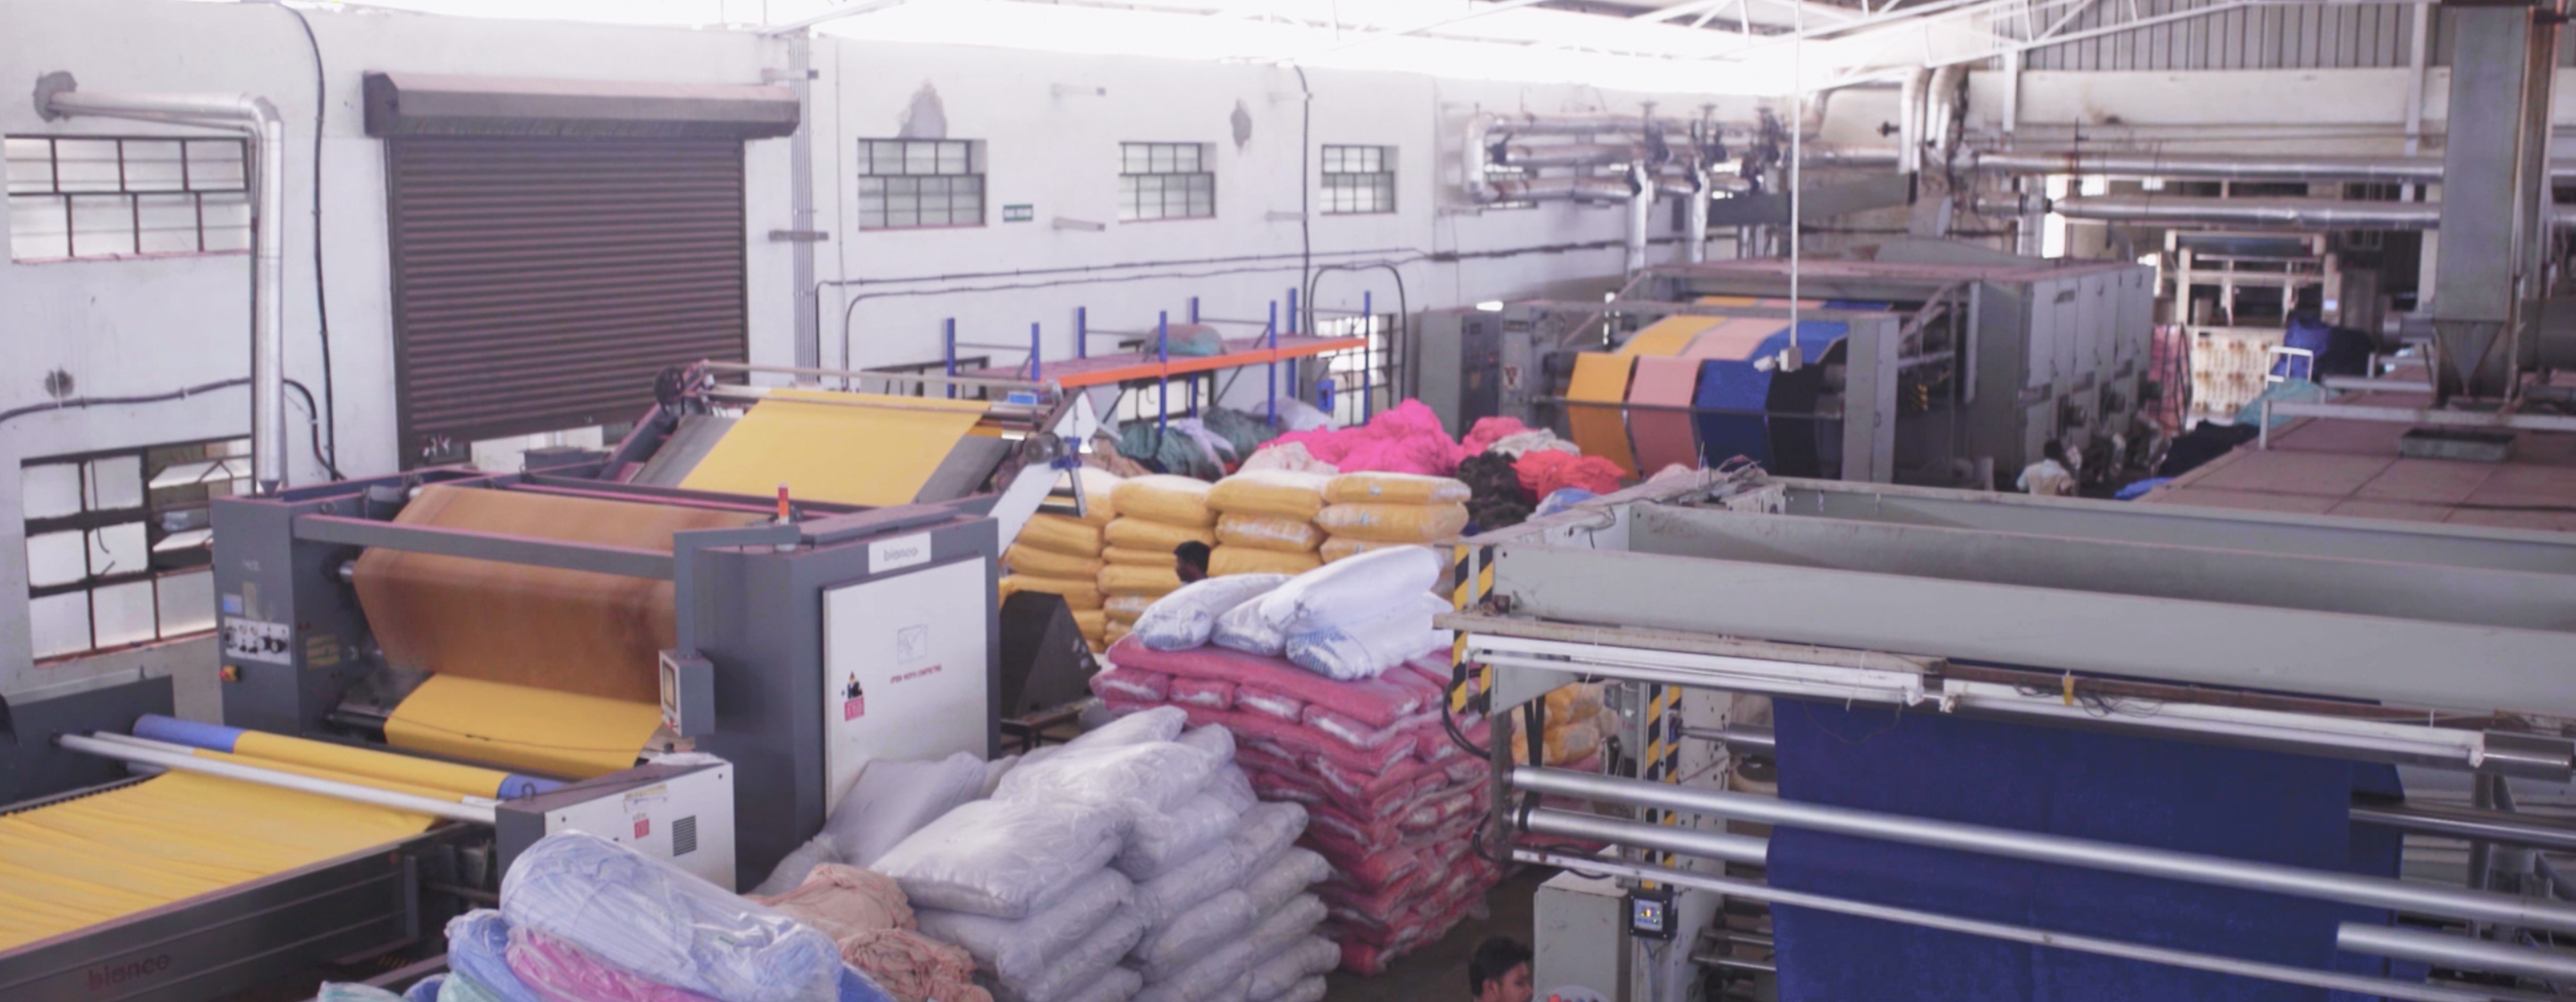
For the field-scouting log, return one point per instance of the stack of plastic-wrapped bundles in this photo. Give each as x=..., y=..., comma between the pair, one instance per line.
x=1133, y=862
x=1156, y=514
x=1266, y=523
x=1332, y=684
x=1061, y=554
x=583, y=919
x=1373, y=511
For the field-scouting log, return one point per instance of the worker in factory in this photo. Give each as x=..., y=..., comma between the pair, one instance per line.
x=1499, y=971
x=2049, y=476
x=1190, y=561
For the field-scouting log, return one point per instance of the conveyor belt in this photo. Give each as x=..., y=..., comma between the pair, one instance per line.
x=74, y=864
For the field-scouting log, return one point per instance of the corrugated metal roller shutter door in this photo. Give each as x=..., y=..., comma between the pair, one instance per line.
x=540, y=282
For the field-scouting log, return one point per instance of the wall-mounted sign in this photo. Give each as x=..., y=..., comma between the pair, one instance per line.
x=1019, y=213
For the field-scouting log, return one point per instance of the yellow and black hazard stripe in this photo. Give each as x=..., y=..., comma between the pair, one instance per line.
x=1473, y=568
x=1663, y=758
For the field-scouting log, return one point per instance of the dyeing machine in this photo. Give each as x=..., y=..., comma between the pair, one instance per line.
x=1927, y=363
x=2006, y=742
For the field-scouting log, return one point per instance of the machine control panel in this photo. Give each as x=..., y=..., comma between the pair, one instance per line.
x=1650, y=913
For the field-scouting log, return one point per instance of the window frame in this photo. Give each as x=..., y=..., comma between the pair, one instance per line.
x=1131, y=185
x=231, y=199
x=1382, y=178
x=169, y=509
x=973, y=167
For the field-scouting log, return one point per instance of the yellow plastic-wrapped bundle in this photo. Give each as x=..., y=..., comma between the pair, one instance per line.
x=1395, y=488
x=1162, y=497
x=1285, y=493
x=1026, y=559
x=1131, y=555
x=1094, y=625
x=1576, y=724
x=1268, y=532
x=1158, y=537
x=1379, y=522
x=1225, y=560
x=1060, y=534
x=1079, y=593
x=1099, y=490
x=1338, y=548
x=1125, y=608
x=1136, y=579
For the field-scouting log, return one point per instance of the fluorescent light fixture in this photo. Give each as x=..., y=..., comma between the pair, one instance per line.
x=1491, y=306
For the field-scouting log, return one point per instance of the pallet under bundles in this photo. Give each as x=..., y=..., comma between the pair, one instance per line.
x=1392, y=802
x=1132, y=862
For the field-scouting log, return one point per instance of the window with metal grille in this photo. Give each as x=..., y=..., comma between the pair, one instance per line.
x=907, y=184
x=1365, y=378
x=1359, y=180
x=1165, y=181
x=90, y=198
x=120, y=544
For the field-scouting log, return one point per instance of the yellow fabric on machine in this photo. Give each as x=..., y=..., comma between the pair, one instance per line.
x=433, y=775
x=538, y=729
x=1601, y=378
x=81, y=862
x=1667, y=336
x=850, y=448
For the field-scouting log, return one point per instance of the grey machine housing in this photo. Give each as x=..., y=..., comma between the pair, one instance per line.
x=300, y=658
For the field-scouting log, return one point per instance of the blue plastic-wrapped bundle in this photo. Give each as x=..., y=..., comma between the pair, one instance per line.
x=652, y=919
x=478, y=945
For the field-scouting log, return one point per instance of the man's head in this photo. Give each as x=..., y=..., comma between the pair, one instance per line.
x=1499, y=971
x=1191, y=560
x=2054, y=450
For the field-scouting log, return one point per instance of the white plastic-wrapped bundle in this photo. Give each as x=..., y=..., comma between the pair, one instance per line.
x=1160, y=840
x=1132, y=780
x=894, y=798
x=1349, y=652
x=1183, y=619
x=1079, y=968
x=1162, y=723
x=1021, y=950
x=1222, y=974
x=652, y=919
x=1004, y=858
x=1275, y=885
x=1216, y=741
x=1309, y=957
x=1243, y=629
x=1117, y=984
x=1309, y=989
x=1283, y=926
x=1258, y=841
x=1180, y=942
x=1352, y=590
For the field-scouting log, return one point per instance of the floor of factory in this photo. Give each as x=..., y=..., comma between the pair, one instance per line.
x=1439, y=970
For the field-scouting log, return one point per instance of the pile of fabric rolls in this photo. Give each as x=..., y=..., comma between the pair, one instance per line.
x=583, y=919
x=1133, y=862
x=1371, y=511
x=1393, y=799
x=1156, y=514
x=1062, y=554
x=1266, y=523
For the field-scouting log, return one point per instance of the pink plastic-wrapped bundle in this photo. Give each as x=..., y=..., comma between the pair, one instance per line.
x=1377, y=702
x=1406, y=438
x=1133, y=685
x=563, y=972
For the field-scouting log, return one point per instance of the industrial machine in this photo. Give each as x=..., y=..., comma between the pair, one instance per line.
x=1926, y=363
x=2017, y=721
x=159, y=830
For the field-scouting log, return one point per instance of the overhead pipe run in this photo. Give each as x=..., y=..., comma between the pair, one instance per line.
x=2231, y=167
x=1642, y=190
x=1909, y=120
x=2299, y=213
x=58, y=96
x=1695, y=216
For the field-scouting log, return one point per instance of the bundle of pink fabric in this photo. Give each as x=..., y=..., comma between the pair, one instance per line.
x=868, y=915
x=1406, y=438
x=1392, y=802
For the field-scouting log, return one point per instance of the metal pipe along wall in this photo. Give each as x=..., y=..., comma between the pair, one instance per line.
x=2375, y=892
x=2458, y=952
x=257, y=119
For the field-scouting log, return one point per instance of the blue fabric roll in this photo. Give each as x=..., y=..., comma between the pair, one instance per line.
x=2237, y=803
x=215, y=737
x=1739, y=385
x=516, y=786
